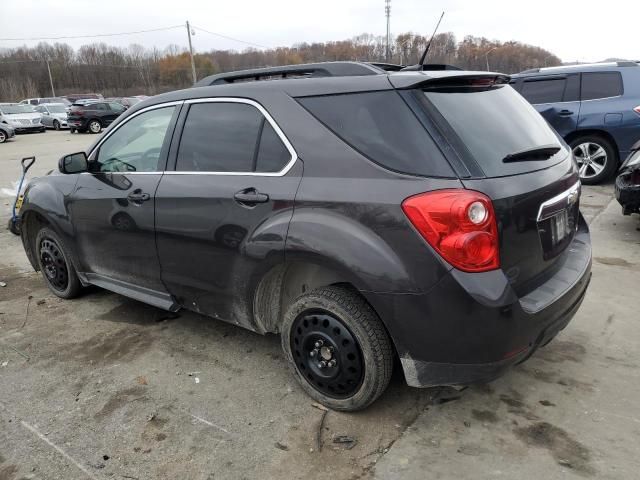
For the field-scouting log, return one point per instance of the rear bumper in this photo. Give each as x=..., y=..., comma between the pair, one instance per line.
x=470, y=328
x=627, y=190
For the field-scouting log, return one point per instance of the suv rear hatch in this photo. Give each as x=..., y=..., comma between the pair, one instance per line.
x=500, y=146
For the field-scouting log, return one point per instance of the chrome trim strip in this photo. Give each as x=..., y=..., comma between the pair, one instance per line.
x=126, y=120
x=568, y=195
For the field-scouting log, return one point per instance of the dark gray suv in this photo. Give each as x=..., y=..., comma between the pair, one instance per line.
x=364, y=216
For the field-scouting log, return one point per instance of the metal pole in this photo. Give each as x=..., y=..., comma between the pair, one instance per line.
x=486, y=56
x=387, y=11
x=53, y=92
x=193, y=65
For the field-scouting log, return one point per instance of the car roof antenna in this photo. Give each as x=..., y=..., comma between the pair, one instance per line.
x=426, y=50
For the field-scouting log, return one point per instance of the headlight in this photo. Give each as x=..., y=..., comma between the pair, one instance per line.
x=633, y=159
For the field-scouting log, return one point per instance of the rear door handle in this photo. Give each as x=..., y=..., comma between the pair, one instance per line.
x=565, y=113
x=138, y=196
x=250, y=196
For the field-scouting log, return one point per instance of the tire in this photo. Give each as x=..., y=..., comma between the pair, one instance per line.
x=94, y=126
x=56, y=125
x=57, y=270
x=3, y=136
x=597, y=158
x=352, y=336
x=72, y=130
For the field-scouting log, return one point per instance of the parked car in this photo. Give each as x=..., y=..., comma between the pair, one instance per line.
x=93, y=116
x=628, y=182
x=54, y=115
x=126, y=102
x=83, y=96
x=361, y=215
x=22, y=118
x=595, y=107
x=40, y=101
x=6, y=132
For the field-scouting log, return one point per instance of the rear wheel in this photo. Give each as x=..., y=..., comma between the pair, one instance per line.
x=56, y=268
x=94, y=126
x=596, y=157
x=338, y=348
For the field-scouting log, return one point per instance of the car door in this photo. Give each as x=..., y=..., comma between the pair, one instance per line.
x=557, y=98
x=46, y=117
x=222, y=215
x=112, y=206
x=115, y=110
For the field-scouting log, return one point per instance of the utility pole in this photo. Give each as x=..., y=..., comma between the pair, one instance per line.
x=53, y=92
x=387, y=11
x=193, y=65
x=486, y=56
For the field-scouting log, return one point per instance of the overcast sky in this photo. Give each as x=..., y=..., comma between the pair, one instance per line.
x=583, y=30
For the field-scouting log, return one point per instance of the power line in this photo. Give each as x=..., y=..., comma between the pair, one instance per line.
x=90, y=36
x=230, y=38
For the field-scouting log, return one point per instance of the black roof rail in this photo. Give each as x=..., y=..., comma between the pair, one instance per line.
x=387, y=67
x=628, y=64
x=531, y=70
x=323, y=69
x=430, y=67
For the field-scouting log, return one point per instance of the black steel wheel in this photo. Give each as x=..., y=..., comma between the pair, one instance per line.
x=337, y=348
x=55, y=266
x=327, y=354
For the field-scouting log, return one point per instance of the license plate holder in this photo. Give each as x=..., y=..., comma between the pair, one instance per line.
x=560, y=227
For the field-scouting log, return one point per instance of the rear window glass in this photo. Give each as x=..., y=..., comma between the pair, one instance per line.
x=601, y=85
x=381, y=127
x=491, y=123
x=544, y=91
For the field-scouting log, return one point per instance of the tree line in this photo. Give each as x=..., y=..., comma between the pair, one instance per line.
x=116, y=71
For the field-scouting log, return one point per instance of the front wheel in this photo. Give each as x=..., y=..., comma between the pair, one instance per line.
x=338, y=348
x=56, y=125
x=3, y=136
x=56, y=268
x=596, y=157
x=94, y=126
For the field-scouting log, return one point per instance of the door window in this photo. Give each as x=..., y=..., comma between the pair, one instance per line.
x=230, y=137
x=601, y=85
x=136, y=145
x=544, y=91
x=116, y=107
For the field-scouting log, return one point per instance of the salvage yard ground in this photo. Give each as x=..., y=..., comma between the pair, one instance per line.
x=106, y=387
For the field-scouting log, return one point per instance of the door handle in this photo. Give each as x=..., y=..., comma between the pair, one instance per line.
x=138, y=196
x=565, y=113
x=250, y=196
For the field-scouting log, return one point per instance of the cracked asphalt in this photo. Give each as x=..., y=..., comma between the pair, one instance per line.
x=106, y=387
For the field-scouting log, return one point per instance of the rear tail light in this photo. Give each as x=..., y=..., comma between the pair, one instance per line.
x=460, y=225
x=637, y=109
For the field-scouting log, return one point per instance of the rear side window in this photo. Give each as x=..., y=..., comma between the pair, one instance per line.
x=230, y=137
x=544, y=91
x=380, y=126
x=485, y=125
x=601, y=85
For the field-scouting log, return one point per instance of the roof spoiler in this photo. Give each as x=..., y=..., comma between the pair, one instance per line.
x=430, y=67
x=324, y=69
x=453, y=79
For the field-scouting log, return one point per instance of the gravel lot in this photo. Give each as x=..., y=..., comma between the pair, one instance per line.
x=106, y=387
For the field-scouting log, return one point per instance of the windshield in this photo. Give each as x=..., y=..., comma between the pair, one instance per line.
x=492, y=124
x=57, y=109
x=13, y=109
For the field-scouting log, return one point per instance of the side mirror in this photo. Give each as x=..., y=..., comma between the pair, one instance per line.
x=74, y=163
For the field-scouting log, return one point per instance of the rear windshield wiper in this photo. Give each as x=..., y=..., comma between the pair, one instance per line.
x=544, y=152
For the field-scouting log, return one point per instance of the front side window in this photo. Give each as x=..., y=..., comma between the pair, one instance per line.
x=136, y=145
x=544, y=91
x=116, y=107
x=601, y=85
x=230, y=137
